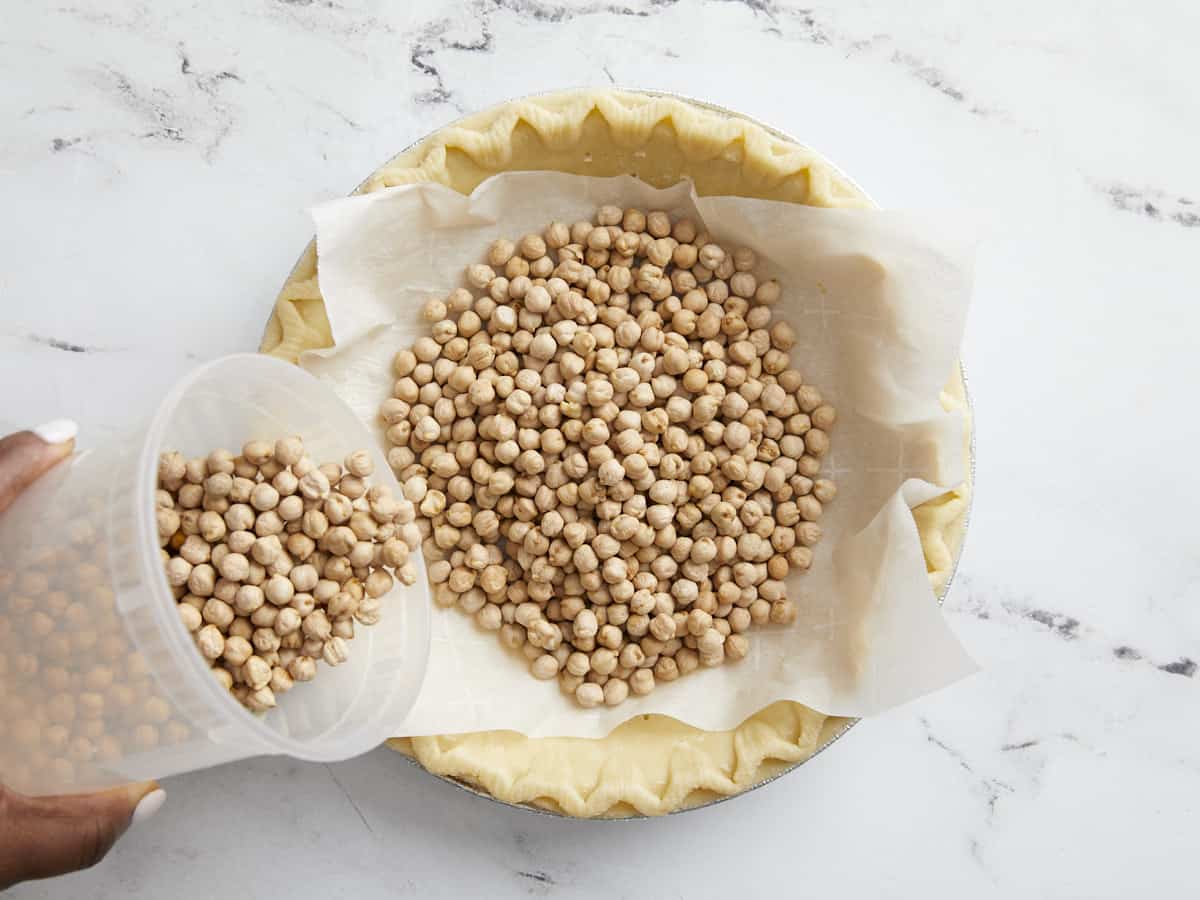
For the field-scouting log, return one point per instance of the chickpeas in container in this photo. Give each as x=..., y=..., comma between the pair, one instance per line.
x=237, y=579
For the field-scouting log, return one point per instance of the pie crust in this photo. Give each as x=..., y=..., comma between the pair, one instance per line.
x=651, y=764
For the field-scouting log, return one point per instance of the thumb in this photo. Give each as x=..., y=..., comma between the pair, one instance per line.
x=45, y=836
x=28, y=454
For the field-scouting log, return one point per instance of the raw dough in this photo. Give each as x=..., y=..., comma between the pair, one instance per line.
x=651, y=764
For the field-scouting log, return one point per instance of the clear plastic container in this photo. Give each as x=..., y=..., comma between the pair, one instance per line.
x=102, y=682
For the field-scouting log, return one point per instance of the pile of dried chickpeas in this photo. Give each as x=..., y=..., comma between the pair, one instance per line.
x=273, y=559
x=614, y=461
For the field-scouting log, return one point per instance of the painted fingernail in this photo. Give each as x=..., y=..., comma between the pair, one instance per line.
x=147, y=807
x=57, y=431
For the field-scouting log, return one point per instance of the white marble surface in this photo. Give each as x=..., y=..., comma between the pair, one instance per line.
x=156, y=164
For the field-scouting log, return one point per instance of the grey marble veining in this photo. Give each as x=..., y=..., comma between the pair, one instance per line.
x=156, y=166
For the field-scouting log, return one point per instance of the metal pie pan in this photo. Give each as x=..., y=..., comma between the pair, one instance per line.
x=850, y=723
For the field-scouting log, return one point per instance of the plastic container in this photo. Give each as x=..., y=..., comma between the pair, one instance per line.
x=102, y=682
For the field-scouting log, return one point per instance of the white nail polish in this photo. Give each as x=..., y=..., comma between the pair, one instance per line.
x=147, y=807
x=57, y=431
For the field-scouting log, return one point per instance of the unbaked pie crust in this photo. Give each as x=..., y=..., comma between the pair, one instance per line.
x=650, y=764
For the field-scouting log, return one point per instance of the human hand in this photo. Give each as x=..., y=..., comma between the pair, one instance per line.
x=45, y=836
x=41, y=837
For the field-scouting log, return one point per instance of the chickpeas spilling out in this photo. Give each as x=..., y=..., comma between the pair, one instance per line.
x=614, y=461
x=273, y=559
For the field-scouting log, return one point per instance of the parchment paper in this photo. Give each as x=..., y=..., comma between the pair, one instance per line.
x=878, y=300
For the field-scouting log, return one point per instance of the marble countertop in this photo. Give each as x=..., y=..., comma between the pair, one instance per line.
x=157, y=164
